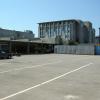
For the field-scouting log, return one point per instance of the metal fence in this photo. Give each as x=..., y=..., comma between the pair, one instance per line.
x=97, y=49
x=79, y=49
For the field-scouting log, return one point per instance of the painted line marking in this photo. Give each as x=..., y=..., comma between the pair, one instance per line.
x=2, y=64
x=46, y=82
x=5, y=63
x=17, y=69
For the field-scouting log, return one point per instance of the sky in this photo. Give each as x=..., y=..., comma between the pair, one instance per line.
x=23, y=15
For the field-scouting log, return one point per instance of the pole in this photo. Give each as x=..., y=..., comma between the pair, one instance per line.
x=28, y=48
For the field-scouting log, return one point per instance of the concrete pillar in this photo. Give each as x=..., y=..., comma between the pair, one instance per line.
x=39, y=31
x=57, y=29
x=42, y=31
x=49, y=30
x=28, y=48
x=10, y=46
x=53, y=30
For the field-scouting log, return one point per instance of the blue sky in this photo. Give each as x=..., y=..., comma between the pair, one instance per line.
x=25, y=14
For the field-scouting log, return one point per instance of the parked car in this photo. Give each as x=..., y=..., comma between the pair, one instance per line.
x=5, y=55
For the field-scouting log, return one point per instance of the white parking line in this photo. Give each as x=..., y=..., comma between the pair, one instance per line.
x=2, y=64
x=29, y=67
x=23, y=91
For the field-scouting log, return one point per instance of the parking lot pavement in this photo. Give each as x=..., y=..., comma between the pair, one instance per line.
x=50, y=77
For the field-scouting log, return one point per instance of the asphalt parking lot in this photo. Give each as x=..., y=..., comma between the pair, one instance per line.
x=50, y=77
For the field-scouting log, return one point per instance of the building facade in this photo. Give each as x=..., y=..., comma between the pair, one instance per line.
x=68, y=30
x=12, y=34
x=97, y=40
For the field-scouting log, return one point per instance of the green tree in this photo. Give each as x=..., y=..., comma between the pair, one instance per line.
x=71, y=42
x=59, y=40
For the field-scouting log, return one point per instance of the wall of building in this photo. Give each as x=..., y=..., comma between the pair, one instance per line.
x=97, y=39
x=74, y=30
x=65, y=29
x=16, y=34
x=79, y=49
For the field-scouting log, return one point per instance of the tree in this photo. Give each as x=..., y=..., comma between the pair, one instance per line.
x=71, y=42
x=59, y=40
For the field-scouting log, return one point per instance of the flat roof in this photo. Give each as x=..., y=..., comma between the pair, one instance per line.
x=23, y=41
x=59, y=21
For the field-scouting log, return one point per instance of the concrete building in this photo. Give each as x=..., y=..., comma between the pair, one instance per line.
x=97, y=39
x=23, y=42
x=68, y=30
x=12, y=34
